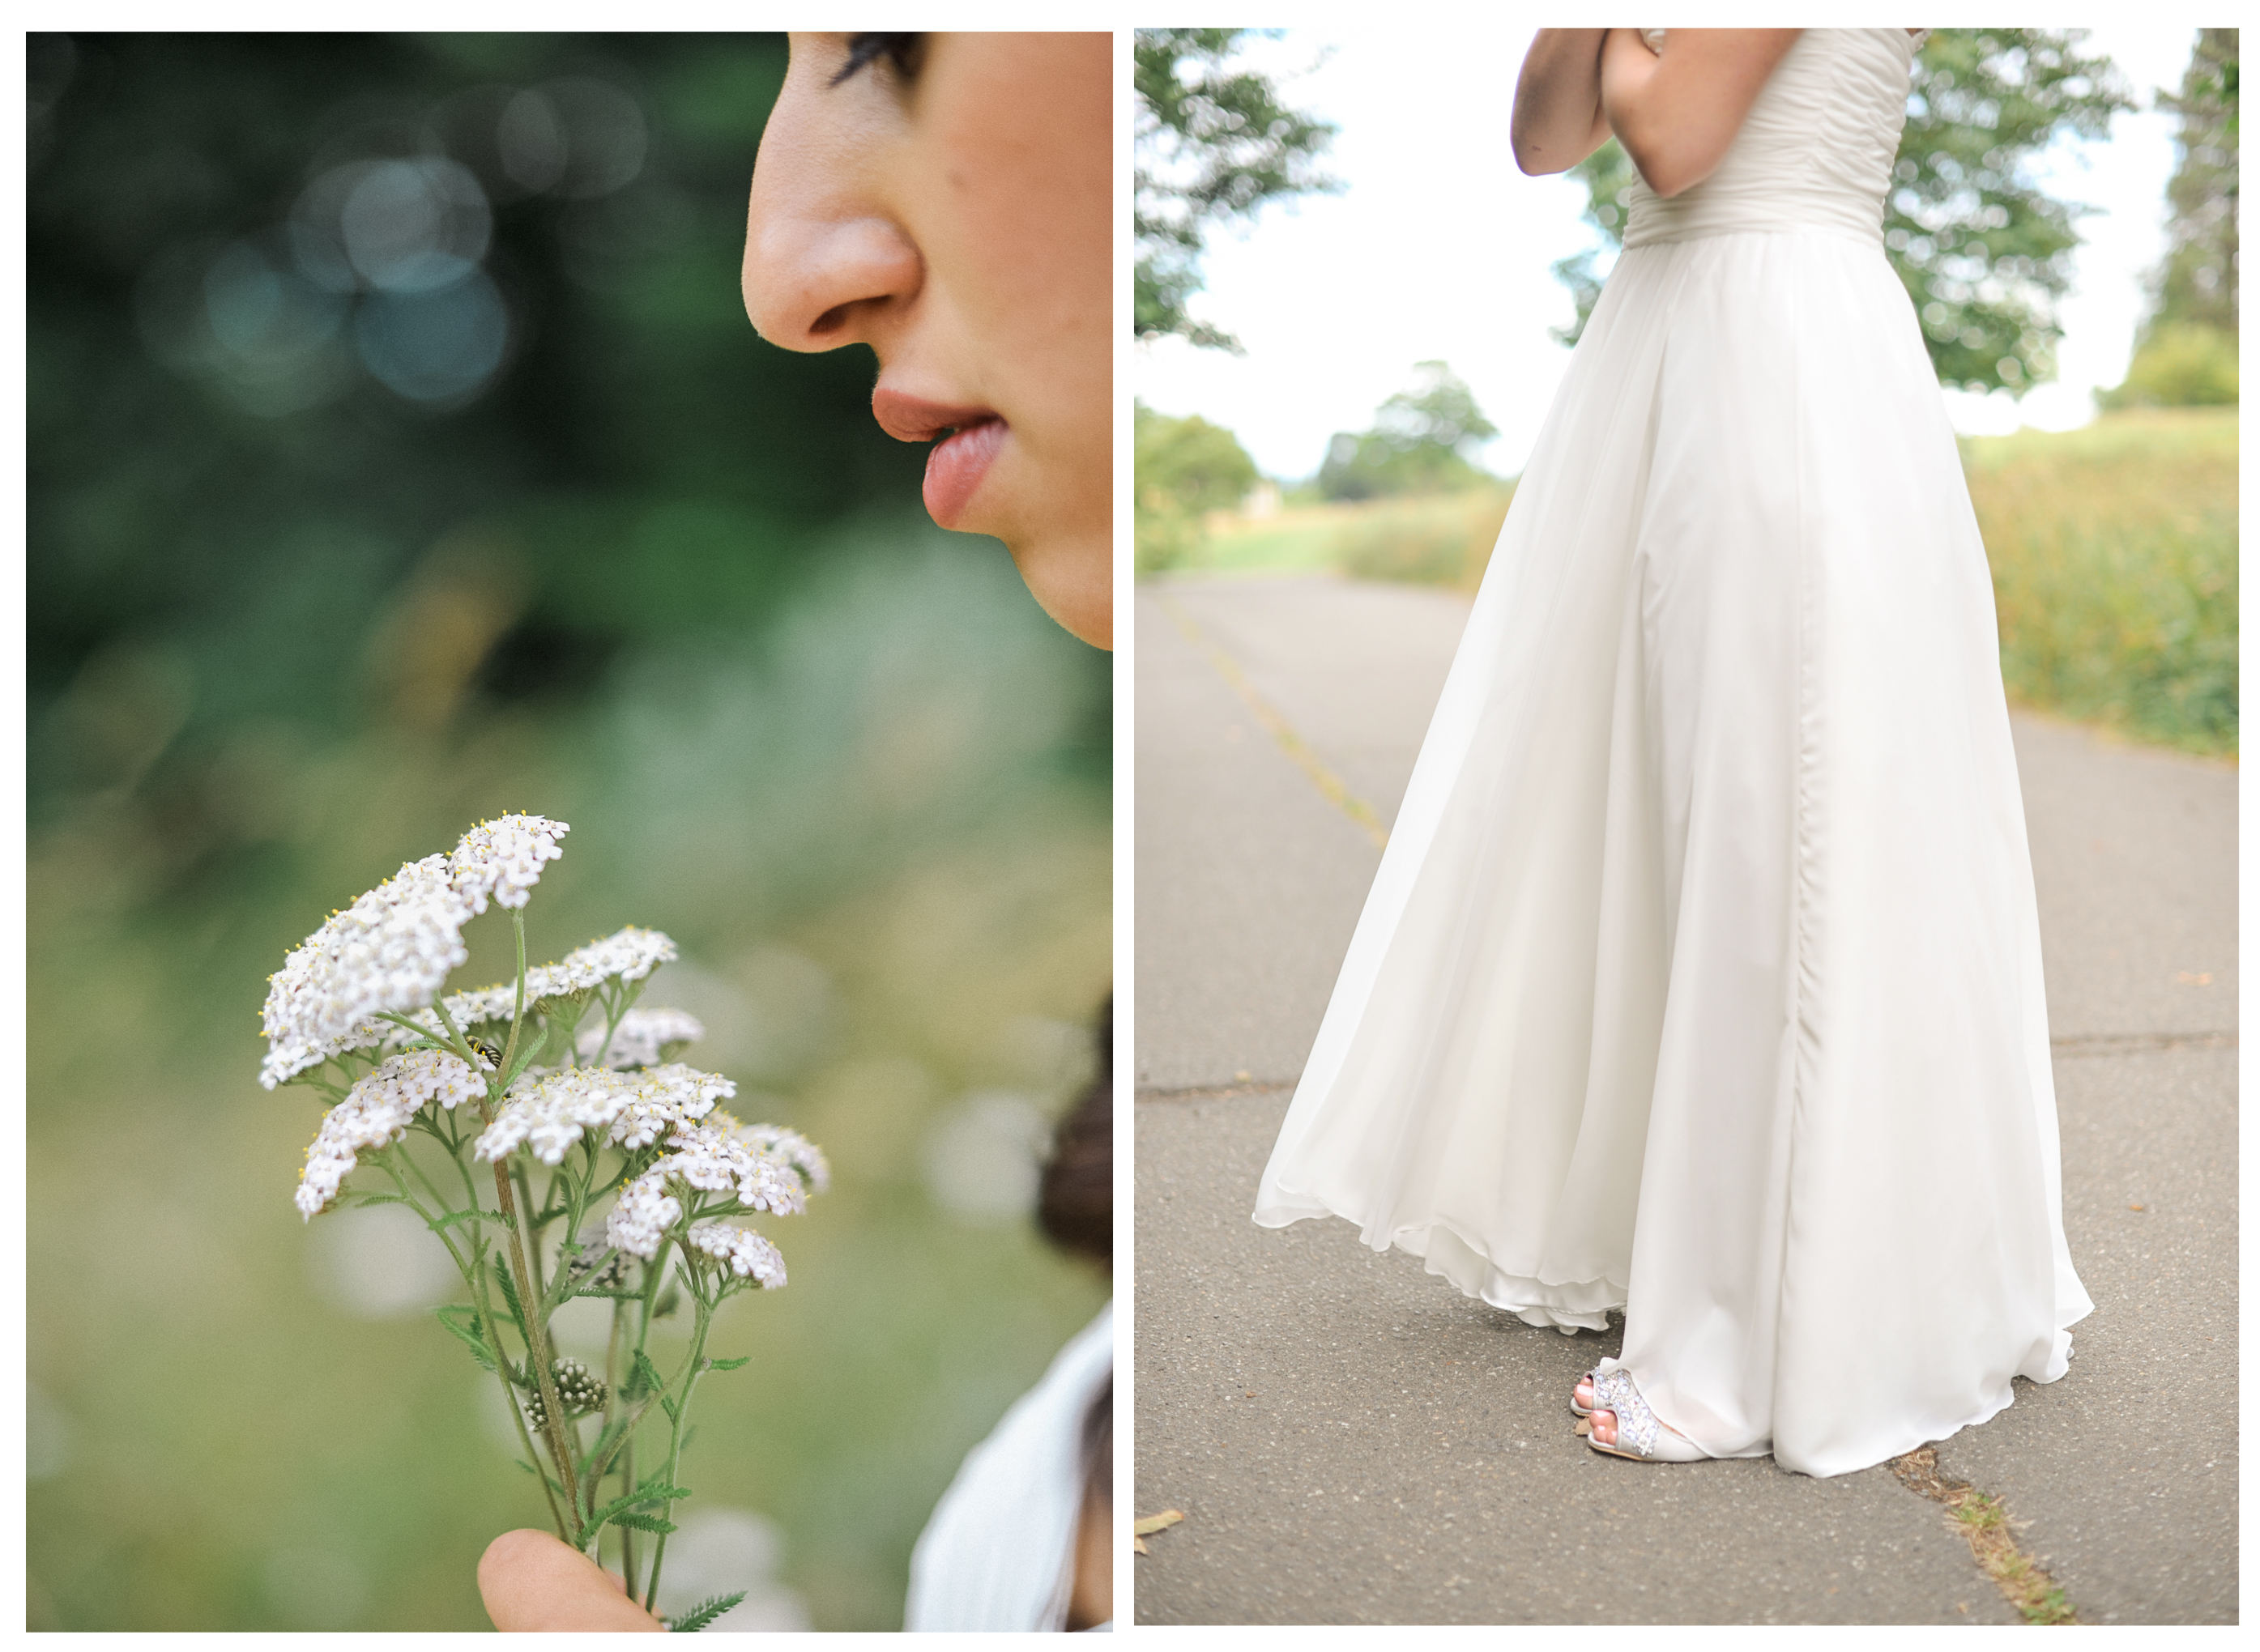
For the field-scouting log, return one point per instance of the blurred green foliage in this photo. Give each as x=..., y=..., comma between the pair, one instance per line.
x=1186, y=469
x=1984, y=253
x=288, y=627
x=2186, y=355
x=1418, y=443
x=1214, y=144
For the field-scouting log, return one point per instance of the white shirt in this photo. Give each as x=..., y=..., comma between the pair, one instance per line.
x=999, y=1551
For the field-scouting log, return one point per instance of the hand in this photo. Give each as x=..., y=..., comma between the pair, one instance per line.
x=530, y=1581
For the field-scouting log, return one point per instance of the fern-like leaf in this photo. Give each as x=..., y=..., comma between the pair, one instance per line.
x=705, y=1613
x=509, y=1289
x=462, y=1324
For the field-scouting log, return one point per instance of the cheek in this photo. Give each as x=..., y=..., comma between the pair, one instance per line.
x=1024, y=247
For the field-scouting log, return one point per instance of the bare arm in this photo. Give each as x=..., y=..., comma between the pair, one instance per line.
x=1557, y=101
x=1677, y=113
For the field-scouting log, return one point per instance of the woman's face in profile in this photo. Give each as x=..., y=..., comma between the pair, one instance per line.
x=950, y=204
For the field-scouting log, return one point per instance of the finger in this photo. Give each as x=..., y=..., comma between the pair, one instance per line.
x=529, y=1580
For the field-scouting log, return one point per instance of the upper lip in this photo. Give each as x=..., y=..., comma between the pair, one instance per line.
x=911, y=418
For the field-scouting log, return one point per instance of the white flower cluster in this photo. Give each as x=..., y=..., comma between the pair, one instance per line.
x=641, y=1036
x=718, y=1155
x=717, y=1163
x=550, y=1111
x=665, y=1099
x=392, y=949
x=427, y=1075
x=792, y=1147
x=377, y=1111
x=641, y=1216
x=632, y=954
x=503, y=858
x=749, y=1255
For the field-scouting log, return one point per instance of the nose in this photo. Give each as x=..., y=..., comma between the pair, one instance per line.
x=814, y=284
x=825, y=265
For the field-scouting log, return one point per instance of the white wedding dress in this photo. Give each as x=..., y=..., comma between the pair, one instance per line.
x=1701, y=977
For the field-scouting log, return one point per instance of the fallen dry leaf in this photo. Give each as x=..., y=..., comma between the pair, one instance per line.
x=1160, y=1522
x=1139, y=1544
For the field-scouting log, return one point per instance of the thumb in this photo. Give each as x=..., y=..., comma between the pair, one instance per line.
x=529, y=1580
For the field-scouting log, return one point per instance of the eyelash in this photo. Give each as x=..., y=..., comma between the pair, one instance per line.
x=901, y=51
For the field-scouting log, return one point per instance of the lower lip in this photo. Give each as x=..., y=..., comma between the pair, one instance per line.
x=955, y=466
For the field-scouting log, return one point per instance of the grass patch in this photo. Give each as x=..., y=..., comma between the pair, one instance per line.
x=1984, y=1522
x=1420, y=539
x=2113, y=550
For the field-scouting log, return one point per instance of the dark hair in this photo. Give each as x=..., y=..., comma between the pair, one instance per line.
x=1075, y=1203
x=903, y=51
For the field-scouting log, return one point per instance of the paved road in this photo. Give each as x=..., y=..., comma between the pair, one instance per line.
x=1353, y=1442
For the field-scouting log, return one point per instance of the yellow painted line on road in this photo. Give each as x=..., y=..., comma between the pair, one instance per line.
x=1329, y=784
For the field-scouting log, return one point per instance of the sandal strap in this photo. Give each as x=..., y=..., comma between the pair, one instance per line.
x=1636, y=1424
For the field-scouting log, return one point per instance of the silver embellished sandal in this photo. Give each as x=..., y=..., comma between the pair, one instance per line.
x=1576, y=1410
x=1641, y=1435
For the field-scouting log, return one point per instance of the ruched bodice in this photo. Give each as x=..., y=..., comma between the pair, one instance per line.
x=1815, y=153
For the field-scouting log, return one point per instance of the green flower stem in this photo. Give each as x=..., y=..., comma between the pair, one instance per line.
x=694, y=1368
x=534, y=1327
x=385, y=1160
x=518, y=1011
x=473, y=1273
x=533, y=1235
x=437, y=1198
x=654, y=1275
x=538, y=1352
x=612, y=1401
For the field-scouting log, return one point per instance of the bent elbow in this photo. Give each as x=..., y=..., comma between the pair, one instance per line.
x=1530, y=157
x=1669, y=171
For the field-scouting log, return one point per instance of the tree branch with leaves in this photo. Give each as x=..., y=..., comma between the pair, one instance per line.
x=1214, y=144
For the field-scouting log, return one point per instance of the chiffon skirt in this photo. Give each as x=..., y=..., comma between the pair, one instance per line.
x=1701, y=977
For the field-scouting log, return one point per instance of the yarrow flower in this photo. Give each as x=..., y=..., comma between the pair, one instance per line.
x=503, y=858
x=717, y=1163
x=551, y=1111
x=749, y=1254
x=796, y=1149
x=631, y=955
x=579, y=1390
x=641, y=1036
x=377, y=1111
x=668, y=1098
x=720, y=1156
x=642, y=1214
x=390, y=951
x=363, y=992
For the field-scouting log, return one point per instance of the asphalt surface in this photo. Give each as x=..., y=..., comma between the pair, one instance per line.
x=1351, y=1441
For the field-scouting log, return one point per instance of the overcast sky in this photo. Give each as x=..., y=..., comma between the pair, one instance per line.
x=1440, y=249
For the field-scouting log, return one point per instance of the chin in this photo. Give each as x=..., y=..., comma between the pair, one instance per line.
x=1073, y=581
